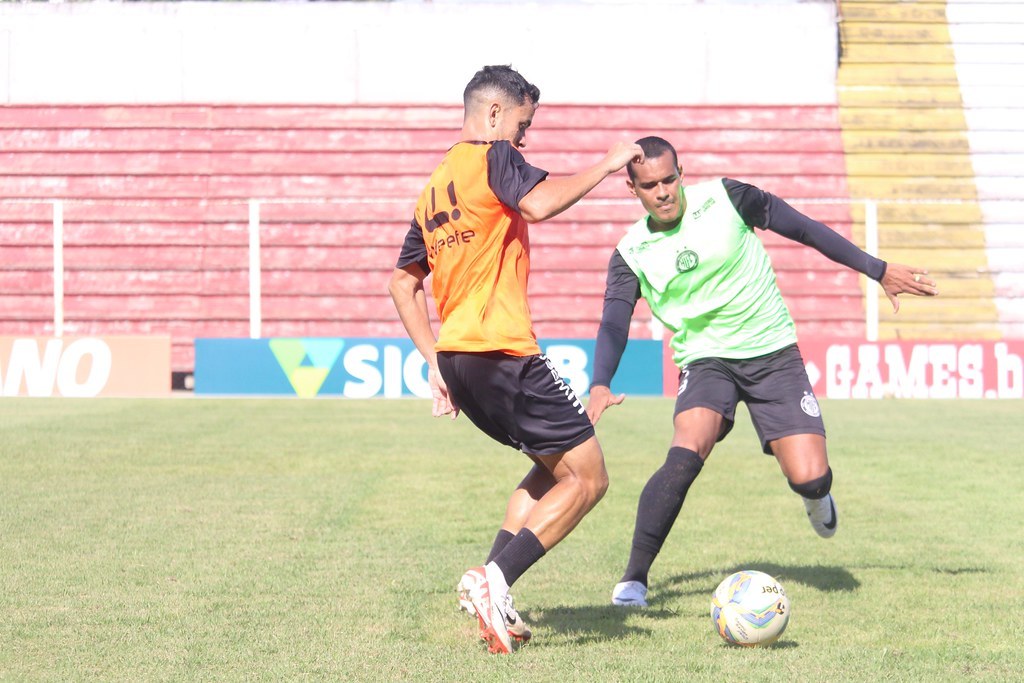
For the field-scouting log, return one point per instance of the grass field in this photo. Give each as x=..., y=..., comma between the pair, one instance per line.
x=285, y=540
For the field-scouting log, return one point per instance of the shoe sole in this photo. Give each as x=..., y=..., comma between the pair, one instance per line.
x=495, y=645
x=629, y=603
x=620, y=599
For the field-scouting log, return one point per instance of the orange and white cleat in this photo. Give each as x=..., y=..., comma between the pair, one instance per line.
x=494, y=613
x=517, y=628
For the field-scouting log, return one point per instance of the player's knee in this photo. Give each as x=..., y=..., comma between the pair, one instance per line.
x=815, y=488
x=684, y=459
x=598, y=493
x=591, y=476
x=596, y=486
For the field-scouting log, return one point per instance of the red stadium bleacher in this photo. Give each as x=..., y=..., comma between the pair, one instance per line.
x=156, y=210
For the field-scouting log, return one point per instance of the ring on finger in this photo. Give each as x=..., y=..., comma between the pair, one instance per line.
x=917, y=277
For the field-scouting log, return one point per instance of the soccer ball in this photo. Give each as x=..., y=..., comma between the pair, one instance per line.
x=750, y=608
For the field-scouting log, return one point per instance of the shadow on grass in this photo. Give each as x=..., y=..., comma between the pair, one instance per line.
x=826, y=579
x=956, y=571
x=603, y=623
x=581, y=625
x=777, y=645
x=594, y=623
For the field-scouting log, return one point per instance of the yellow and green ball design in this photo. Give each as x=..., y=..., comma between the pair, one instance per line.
x=750, y=608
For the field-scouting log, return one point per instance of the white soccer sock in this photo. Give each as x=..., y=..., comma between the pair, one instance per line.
x=496, y=579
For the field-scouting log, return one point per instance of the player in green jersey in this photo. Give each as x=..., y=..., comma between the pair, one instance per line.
x=705, y=274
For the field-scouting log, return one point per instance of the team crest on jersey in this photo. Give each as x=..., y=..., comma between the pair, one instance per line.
x=686, y=261
x=809, y=405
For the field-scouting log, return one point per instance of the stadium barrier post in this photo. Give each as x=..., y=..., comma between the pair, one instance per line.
x=58, y=268
x=871, y=246
x=255, y=311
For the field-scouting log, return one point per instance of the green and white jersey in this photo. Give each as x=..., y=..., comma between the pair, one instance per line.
x=710, y=281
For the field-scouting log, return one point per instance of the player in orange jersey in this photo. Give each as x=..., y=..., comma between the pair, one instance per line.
x=470, y=232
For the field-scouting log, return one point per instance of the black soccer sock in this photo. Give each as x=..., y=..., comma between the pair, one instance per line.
x=500, y=541
x=659, y=505
x=815, y=489
x=519, y=554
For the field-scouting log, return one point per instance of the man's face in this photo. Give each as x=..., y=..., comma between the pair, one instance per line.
x=512, y=122
x=656, y=185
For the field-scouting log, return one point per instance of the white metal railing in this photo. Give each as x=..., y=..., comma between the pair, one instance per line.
x=870, y=246
x=58, y=268
x=255, y=272
x=871, y=312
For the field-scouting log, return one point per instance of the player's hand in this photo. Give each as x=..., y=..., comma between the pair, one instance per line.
x=621, y=153
x=600, y=398
x=443, y=403
x=901, y=279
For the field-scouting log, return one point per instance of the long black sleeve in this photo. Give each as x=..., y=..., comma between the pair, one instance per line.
x=765, y=210
x=621, y=294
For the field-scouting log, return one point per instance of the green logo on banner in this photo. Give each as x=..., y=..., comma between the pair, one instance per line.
x=306, y=362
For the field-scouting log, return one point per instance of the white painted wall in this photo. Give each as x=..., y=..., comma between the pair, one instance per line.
x=654, y=52
x=990, y=68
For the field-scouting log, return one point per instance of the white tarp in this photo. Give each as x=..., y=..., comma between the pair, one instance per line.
x=710, y=52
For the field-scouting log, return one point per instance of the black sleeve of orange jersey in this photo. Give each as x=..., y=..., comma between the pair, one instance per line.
x=508, y=174
x=766, y=211
x=413, y=249
x=620, y=296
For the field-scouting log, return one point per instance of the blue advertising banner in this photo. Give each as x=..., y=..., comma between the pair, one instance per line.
x=389, y=368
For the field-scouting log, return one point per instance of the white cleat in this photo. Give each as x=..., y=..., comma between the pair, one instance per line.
x=630, y=594
x=822, y=513
x=488, y=606
x=517, y=628
x=466, y=584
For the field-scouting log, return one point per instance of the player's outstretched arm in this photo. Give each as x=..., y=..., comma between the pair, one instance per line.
x=902, y=279
x=406, y=290
x=552, y=196
x=620, y=296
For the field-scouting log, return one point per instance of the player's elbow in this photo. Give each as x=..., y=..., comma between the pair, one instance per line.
x=402, y=285
x=532, y=213
x=393, y=285
x=538, y=206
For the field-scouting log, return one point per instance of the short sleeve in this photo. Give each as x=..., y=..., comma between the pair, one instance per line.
x=751, y=202
x=508, y=174
x=414, y=250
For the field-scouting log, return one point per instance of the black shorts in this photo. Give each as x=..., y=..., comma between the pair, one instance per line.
x=774, y=387
x=519, y=401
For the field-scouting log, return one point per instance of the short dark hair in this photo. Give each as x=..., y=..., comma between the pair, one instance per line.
x=504, y=79
x=653, y=148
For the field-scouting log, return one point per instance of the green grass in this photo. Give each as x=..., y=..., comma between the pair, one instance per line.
x=283, y=540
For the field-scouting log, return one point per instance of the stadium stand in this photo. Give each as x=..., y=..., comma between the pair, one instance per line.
x=908, y=94
x=156, y=202
x=156, y=197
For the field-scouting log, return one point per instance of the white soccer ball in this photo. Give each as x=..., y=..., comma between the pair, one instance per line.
x=750, y=608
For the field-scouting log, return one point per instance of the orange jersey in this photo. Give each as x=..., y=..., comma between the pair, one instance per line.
x=478, y=248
